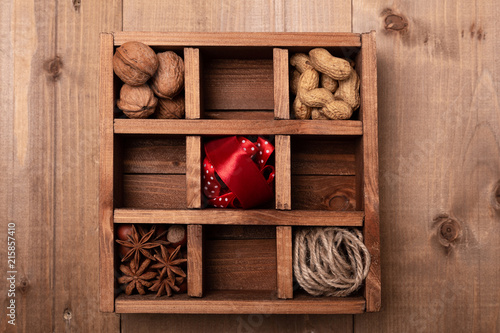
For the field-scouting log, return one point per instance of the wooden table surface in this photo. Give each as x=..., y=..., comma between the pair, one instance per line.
x=439, y=134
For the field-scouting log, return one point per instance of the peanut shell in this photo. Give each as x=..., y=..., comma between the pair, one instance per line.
x=300, y=61
x=348, y=90
x=324, y=62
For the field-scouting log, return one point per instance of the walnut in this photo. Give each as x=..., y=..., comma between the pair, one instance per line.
x=135, y=63
x=168, y=80
x=137, y=102
x=171, y=108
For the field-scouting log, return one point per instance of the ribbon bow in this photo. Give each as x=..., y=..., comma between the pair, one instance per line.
x=235, y=173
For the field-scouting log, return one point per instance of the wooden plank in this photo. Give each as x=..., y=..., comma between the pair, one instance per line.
x=106, y=177
x=284, y=262
x=324, y=192
x=241, y=127
x=240, y=264
x=369, y=116
x=195, y=260
x=443, y=163
x=281, y=83
x=240, y=232
x=27, y=130
x=282, y=171
x=323, y=156
x=192, y=83
x=237, y=84
x=154, y=191
x=239, y=302
x=160, y=155
x=241, y=217
x=281, y=39
x=193, y=171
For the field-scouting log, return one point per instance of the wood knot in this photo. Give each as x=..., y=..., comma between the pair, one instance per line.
x=396, y=22
x=23, y=285
x=496, y=196
x=339, y=202
x=448, y=231
x=54, y=67
x=67, y=314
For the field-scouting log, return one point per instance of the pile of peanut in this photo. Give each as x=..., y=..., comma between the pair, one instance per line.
x=326, y=87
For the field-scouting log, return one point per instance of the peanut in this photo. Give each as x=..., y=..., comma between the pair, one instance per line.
x=324, y=62
x=348, y=90
x=316, y=114
x=330, y=107
x=300, y=110
x=300, y=61
x=294, y=81
x=337, y=109
x=307, y=81
x=329, y=83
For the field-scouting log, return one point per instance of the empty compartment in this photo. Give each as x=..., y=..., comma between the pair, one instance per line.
x=153, y=172
x=323, y=173
x=240, y=258
x=237, y=83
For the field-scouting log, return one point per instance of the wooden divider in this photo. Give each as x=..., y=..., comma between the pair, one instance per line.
x=193, y=172
x=195, y=260
x=283, y=175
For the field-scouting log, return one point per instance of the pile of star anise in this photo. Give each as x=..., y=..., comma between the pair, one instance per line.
x=149, y=261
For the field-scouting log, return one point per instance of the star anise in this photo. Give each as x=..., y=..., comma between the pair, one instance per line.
x=165, y=284
x=168, y=263
x=158, y=237
x=137, y=278
x=138, y=243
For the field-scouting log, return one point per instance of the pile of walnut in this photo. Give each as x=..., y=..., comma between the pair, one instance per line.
x=153, y=83
x=326, y=87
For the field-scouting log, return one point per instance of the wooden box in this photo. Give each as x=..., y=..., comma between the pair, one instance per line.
x=240, y=261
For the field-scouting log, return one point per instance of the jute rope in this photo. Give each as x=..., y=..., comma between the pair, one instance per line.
x=330, y=261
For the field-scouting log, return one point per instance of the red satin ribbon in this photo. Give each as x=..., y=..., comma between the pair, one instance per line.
x=232, y=160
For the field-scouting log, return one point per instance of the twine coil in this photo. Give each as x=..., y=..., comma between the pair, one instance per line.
x=330, y=261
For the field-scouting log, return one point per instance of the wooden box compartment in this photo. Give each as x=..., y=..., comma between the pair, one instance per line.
x=237, y=83
x=153, y=172
x=240, y=261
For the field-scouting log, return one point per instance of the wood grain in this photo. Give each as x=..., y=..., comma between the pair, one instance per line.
x=281, y=83
x=237, y=84
x=27, y=163
x=323, y=156
x=195, y=260
x=336, y=193
x=161, y=155
x=240, y=217
x=192, y=64
x=106, y=176
x=240, y=264
x=241, y=302
x=283, y=174
x=437, y=163
x=284, y=262
x=193, y=171
x=154, y=191
x=241, y=127
x=239, y=39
